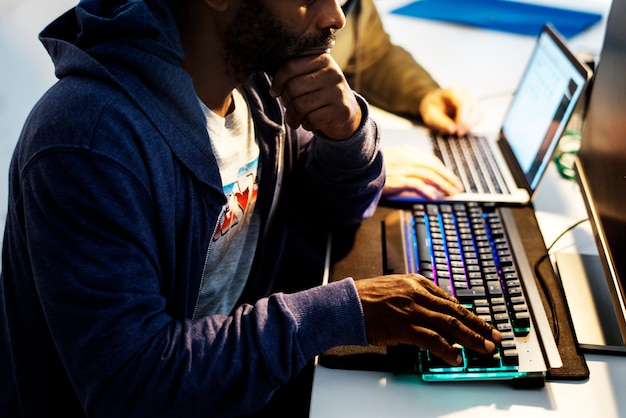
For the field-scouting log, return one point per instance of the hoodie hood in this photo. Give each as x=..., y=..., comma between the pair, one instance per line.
x=101, y=27
x=135, y=44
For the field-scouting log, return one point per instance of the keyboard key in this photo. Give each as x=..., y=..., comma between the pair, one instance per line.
x=482, y=310
x=435, y=364
x=510, y=357
x=518, y=299
x=482, y=361
x=501, y=317
x=486, y=318
x=468, y=295
x=521, y=323
x=425, y=266
x=504, y=326
x=520, y=308
x=423, y=246
x=494, y=289
x=508, y=344
x=499, y=308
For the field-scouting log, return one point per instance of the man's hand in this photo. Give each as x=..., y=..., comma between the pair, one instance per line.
x=410, y=309
x=448, y=110
x=317, y=96
x=411, y=171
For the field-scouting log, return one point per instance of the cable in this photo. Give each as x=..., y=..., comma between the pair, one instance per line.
x=566, y=152
x=569, y=228
x=543, y=284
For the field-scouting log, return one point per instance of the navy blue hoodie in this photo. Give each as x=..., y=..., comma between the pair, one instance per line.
x=113, y=199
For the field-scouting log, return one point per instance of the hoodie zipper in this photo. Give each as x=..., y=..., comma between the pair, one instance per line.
x=280, y=150
x=206, y=263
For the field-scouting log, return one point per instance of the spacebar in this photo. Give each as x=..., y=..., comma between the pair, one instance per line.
x=424, y=259
x=468, y=295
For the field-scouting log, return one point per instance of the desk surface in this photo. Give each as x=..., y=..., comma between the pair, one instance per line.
x=489, y=64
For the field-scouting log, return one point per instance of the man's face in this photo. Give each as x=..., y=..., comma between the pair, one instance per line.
x=257, y=40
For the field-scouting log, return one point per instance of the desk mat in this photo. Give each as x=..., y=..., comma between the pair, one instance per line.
x=360, y=256
x=502, y=15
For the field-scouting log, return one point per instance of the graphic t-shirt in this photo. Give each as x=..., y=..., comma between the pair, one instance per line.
x=232, y=247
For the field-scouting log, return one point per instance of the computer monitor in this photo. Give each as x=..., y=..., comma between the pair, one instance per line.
x=601, y=171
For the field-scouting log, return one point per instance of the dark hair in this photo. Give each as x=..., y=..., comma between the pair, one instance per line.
x=177, y=4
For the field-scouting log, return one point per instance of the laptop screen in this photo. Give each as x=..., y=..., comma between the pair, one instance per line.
x=546, y=97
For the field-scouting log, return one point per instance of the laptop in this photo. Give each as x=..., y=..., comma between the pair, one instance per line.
x=507, y=168
x=473, y=251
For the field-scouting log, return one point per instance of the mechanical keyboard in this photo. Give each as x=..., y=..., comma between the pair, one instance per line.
x=464, y=249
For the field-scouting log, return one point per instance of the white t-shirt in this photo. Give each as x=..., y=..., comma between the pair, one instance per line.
x=231, y=251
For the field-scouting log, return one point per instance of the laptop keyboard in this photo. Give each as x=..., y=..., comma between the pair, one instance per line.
x=472, y=160
x=463, y=248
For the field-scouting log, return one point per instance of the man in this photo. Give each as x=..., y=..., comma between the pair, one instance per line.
x=389, y=77
x=150, y=194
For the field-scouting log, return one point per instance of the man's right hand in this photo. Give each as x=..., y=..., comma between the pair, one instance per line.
x=410, y=309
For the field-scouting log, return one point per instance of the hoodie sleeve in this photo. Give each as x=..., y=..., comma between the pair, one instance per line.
x=347, y=176
x=101, y=279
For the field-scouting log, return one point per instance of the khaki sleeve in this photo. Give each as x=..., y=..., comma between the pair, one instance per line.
x=384, y=73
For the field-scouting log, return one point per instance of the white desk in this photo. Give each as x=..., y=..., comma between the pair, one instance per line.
x=489, y=64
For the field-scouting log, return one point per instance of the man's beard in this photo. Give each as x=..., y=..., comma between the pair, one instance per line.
x=258, y=41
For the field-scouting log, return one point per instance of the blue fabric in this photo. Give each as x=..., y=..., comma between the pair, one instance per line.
x=114, y=197
x=502, y=15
